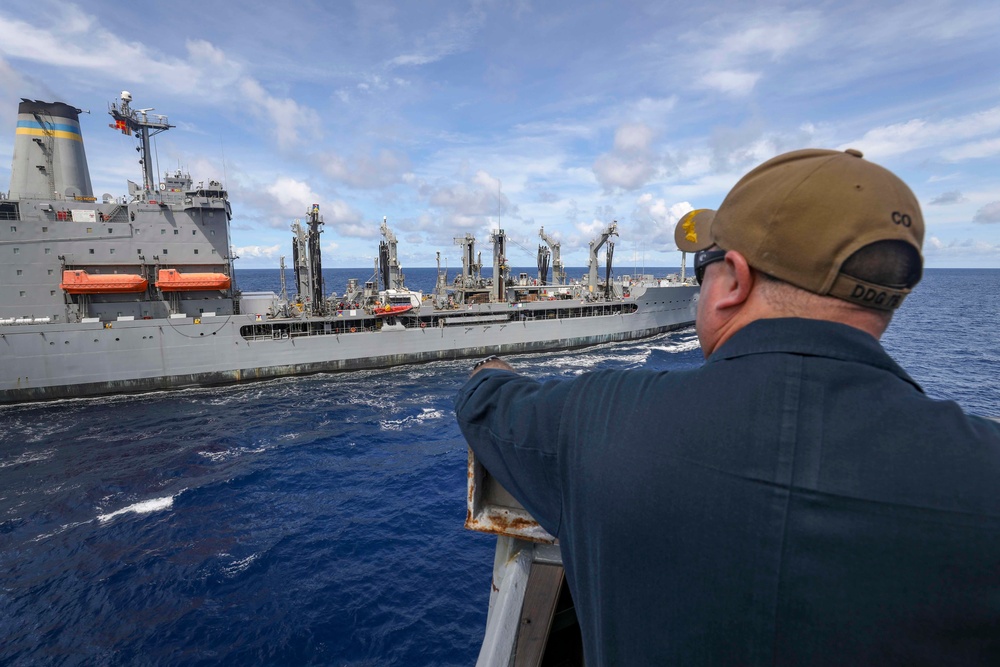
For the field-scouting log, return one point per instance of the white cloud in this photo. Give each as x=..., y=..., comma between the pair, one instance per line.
x=79, y=42
x=972, y=150
x=656, y=219
x=742, y=47
x=258, y=252
x=935, y=247
x=623, y=171
x=660, y=211
x=950, y=197
x=989, y=213
x=467, y=205
x=382, y=168
x=731, y=81
x=347, y=221
x=61, y=46
x=917, y=133
x=633, y=138
x=591, y=229
x=631, y=163
x=455, y=33
x=285, y=114
x=651, y=110
x=292, y=195
x=769, y=39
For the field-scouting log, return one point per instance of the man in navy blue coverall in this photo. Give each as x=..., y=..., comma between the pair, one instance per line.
x=797, y=500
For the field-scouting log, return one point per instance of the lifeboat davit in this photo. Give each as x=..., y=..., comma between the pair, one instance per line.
x=172, y=280
x=78, y=281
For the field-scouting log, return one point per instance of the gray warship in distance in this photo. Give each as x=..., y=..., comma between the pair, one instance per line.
x=136, y=293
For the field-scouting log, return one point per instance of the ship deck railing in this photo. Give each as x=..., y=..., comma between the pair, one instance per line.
x=278, y=329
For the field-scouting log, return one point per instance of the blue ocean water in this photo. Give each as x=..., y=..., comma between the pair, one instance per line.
x=315, y=520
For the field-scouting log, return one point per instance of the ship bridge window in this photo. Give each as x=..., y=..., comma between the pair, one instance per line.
x=9, y=211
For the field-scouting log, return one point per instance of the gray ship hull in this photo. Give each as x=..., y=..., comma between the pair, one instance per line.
x=52, y=360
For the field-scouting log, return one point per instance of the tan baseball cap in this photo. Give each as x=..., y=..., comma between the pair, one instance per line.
x=800, y=215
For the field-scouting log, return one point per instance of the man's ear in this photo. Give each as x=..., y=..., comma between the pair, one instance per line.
x=737, y=280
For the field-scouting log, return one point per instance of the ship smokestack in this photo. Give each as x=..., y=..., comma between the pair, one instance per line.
x=49, y=160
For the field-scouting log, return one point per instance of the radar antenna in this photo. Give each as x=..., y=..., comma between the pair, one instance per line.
x=131, y=121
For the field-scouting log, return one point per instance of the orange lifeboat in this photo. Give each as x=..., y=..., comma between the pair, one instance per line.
x=77, y=281
x=172, y=280
x=385, y=311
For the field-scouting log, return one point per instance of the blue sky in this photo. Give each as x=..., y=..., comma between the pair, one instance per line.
x=443, y=116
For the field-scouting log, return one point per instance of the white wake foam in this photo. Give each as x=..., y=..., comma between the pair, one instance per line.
x=28, y=457
x=238, y=566
x=680, y=346
x=398, y=424
x=144, y=507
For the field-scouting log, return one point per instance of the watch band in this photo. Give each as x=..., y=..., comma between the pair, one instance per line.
x=485, y=360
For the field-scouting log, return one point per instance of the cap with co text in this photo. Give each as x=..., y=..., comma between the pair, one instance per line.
x=801, y=215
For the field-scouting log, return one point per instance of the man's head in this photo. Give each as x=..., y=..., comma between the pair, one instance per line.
x=822, y=234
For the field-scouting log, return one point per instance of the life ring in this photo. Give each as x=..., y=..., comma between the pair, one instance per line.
x=354, y=330
x=423, y=325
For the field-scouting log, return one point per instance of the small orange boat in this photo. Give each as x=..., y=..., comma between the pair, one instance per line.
x=385, y=311
x=78, y=281
x=172, y=280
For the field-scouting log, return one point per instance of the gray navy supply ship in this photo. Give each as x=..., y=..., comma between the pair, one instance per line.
x=136, y=293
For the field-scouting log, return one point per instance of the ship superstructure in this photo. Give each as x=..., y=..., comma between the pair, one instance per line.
x=136, y=292
x=160, y=252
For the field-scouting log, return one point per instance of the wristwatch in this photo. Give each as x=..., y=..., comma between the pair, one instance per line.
x=486, y=360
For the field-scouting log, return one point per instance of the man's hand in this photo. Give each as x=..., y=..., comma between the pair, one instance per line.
x=491, y=362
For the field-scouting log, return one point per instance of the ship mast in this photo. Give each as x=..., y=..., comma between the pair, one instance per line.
x=558, y=272
x=500, y=267
x=470, y=266
x=307, y=258
x=543, y=264
x=392, y=272
x=595, y=245
x=138, y=121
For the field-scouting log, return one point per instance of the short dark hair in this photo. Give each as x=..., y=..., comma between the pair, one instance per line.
x=888, y=263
